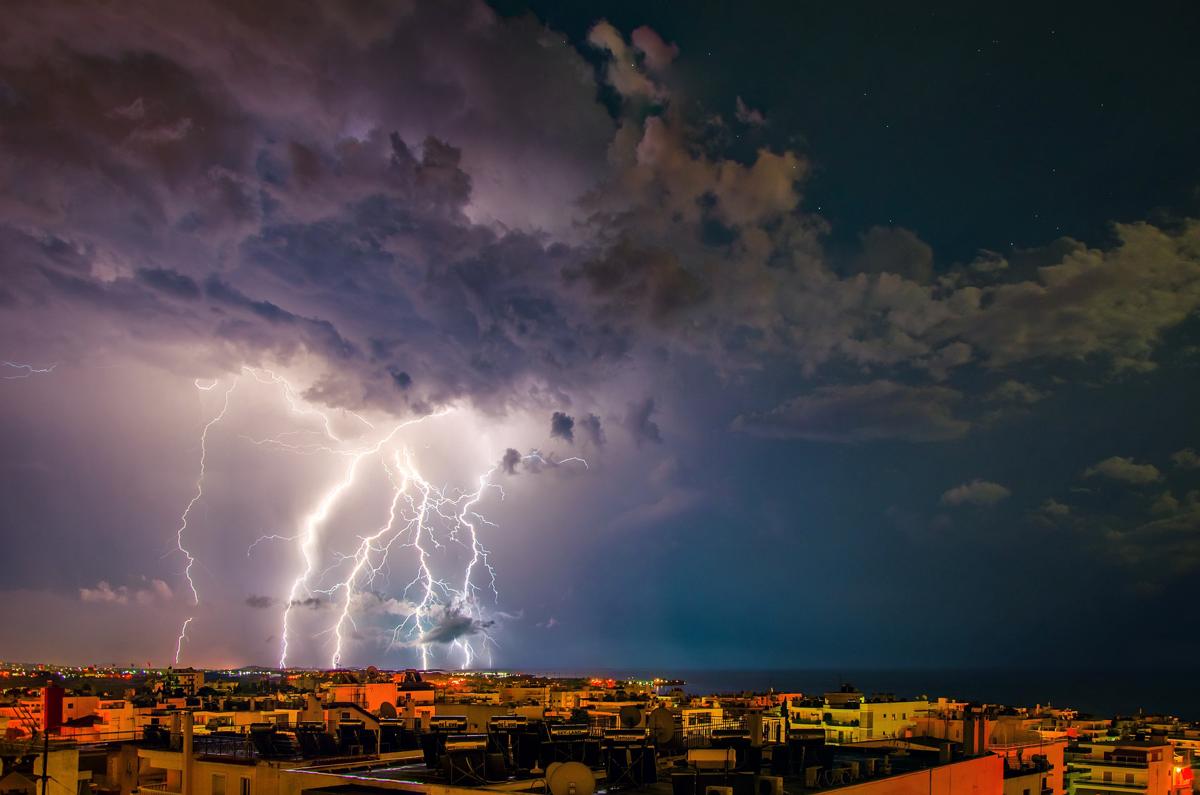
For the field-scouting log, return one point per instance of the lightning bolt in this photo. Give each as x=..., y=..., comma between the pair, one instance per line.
x=312, y=522
x=420, y=516
x=24, y=370
x=272, y=537
x=183, y=518
x=181, y=639
x=362, y=560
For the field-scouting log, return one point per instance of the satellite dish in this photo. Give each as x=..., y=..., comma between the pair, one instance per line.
x=571, y=778
x=550, y=768
x=631, y=716
x=662, y=726
x=387, y=710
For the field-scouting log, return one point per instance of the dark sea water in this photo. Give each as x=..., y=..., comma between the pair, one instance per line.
x=1102, y=693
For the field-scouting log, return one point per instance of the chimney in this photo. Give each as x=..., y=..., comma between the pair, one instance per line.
x=974, y=732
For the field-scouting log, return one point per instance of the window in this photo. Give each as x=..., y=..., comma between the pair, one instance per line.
x=218, y=784
x=1128, y=778
x=245, y=786
x=1107, y=776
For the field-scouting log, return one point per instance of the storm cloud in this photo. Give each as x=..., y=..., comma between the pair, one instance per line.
x=422, y=208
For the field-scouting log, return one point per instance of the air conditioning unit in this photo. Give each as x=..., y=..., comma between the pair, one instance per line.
x=712, y=758
x=770, y=785
x=714, y=790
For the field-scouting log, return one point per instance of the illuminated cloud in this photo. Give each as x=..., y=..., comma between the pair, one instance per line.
x=1125, y=470
x=1012, y=391
x=493, y=232
x=1054, y=508
x=1186, y=459
x=155, y=591
x=977, y=492
x=748, y=115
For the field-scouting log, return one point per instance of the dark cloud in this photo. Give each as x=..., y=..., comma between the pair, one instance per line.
x=639, y=423
x=259, y=601
x=592, y=429
x=451, y=624
x=194, y=188
x=652, y=279
x=510, y=461
x=346, y=222
x=312, y=603
x=169, y=281
x=562, y=426
x=862, y=413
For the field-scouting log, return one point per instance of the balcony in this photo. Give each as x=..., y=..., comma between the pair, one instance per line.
x=1090, y=761
x=1088, y=784
x=146, y=789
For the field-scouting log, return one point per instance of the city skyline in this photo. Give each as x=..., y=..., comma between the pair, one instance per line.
x=531, y=335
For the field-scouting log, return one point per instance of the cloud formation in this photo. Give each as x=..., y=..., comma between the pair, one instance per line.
x=519, y=227
x=450, y=624
x=638, y=422
x=1186, y=459
x=592, y=430
x=356, y=231
x=980, y=493
x=154, y=591
x=1125, y=470
x=562, y=426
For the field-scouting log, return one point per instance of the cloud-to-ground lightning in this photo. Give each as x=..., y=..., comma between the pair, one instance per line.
x=183, y=518
x=13, y=371
x=182, y=637
x=362, y=560
x=312, y=522
x=434, y=608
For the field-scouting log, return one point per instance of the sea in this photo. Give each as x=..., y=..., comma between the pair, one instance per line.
x=1097, y=692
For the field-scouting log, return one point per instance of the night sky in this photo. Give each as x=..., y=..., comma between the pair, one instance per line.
x=744, y=335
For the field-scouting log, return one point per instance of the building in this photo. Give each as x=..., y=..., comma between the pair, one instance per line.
x=1032, y=766
x=1154, y=767
x=189, y=680
x=847, y=716
x=1033, y=763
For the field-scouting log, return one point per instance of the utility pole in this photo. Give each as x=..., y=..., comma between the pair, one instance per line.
x=45, y=756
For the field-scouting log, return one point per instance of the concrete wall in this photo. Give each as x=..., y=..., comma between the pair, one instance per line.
x=983, y=775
